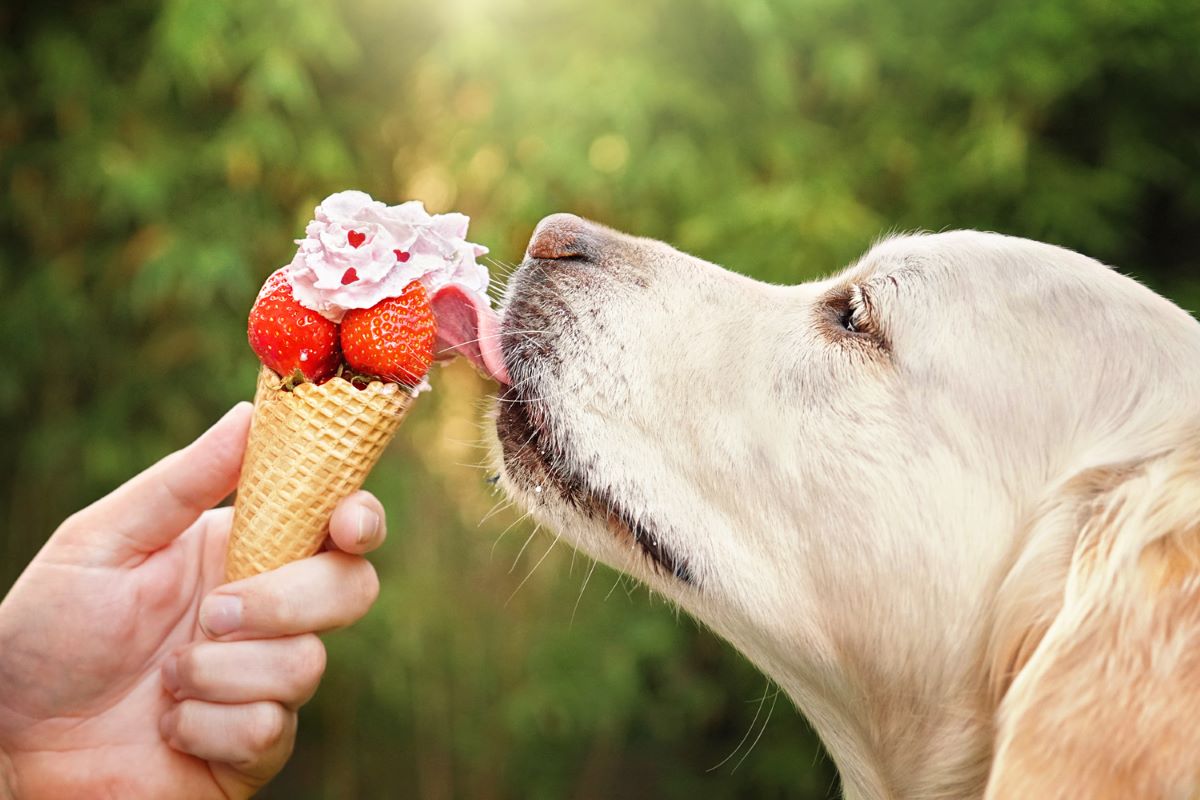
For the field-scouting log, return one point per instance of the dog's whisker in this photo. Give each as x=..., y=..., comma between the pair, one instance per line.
x=512, y=525
x=532, y=435
x=586, y=579
x=623, y=575
x=496, y=509
x=525, y=580
x=613, y=588
x=565, y=392
x=499, y=335
x=472, y=445
x=761, y=731
x=501, y=264
x=762, y=701
x=505, y=272
x=476, y=446
x=480, y=467
x=521, y=552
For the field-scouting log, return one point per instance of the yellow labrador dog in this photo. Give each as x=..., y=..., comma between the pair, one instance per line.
x=948, y=499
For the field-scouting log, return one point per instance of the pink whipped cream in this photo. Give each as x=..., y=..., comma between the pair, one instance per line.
x=358, y=251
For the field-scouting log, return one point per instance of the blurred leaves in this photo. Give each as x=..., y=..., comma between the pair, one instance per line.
x=158, y=159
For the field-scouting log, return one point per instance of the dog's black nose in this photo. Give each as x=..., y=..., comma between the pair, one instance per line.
x=562, y=236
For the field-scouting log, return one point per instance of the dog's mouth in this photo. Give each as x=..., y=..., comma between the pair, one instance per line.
x=537, y=453
x=536, y=458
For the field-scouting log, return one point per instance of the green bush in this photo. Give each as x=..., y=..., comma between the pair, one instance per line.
x=156, y=161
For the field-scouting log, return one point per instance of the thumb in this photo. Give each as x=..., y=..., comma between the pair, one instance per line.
x=148, y=511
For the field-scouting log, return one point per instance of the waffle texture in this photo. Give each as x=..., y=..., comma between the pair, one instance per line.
x=308, y=449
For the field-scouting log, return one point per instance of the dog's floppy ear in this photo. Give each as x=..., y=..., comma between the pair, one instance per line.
x=1107, y=703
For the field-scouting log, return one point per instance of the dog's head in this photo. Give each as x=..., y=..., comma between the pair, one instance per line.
x=837, y=476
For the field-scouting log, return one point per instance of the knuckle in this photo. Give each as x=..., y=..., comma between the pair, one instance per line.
x=270, y=607
x=309, y=660
x=265, y=727
x=190, y=672
x=77, y=522
x=168, y=727
x=183, y=729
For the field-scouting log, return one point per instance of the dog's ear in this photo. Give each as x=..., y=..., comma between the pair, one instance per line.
x=1105, y=701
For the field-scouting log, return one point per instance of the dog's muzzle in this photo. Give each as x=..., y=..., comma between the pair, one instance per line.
x=565, y=254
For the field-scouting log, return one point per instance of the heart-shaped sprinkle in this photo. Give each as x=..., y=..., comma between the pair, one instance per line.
x=401, y=255
x=355, y=238
x=350, y=276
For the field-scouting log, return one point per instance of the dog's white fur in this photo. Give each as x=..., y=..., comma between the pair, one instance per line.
x=964, y=539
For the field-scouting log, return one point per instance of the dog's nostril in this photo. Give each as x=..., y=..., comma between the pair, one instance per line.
x=561, y=236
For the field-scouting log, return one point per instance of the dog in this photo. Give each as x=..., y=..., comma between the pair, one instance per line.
x=947, y=499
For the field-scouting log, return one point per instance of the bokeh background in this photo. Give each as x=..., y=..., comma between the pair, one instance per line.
x=158, y=158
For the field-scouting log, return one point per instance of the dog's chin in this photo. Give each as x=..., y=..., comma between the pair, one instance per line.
x=538, y=464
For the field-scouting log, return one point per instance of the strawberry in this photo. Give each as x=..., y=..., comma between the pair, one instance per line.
x=392, y=339
x=287, y=337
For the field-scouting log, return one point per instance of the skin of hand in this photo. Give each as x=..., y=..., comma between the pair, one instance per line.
x=127, y=668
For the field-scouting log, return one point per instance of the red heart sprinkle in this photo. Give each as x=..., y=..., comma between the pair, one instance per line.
x=350, y=275
x=401, y=255
x=355, y=238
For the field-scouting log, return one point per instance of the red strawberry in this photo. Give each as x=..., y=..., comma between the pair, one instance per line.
x=288, y=337
x=392, y=339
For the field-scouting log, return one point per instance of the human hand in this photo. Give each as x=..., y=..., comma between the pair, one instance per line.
x=128, y=670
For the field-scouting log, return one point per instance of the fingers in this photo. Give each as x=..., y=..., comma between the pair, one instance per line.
x=358, y=524
x=329, y=590
x=154, y=507
x=286, y=670
x=254, y=738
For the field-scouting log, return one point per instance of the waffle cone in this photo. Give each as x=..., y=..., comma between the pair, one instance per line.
x=309, y=448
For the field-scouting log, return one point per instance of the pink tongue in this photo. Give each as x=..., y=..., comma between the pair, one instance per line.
x=468, y=327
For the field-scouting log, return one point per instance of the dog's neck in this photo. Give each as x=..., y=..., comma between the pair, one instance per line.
x=899, y=735
x=902, y=691
x=895, y=744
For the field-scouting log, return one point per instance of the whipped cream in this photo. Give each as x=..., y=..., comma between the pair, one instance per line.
x=358, y=251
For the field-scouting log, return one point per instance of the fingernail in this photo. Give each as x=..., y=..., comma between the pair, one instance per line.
x=368, y=525
x=170, y=674
x=220, y=614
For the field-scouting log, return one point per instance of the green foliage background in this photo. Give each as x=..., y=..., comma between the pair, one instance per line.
x=157, y=159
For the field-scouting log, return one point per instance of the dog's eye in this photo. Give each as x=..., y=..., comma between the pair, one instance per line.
x=847, y=319
x=852, y=311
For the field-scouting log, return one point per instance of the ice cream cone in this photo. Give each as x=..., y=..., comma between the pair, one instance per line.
x=309, y=447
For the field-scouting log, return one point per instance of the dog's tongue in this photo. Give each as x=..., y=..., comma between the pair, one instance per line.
x=466, y=325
